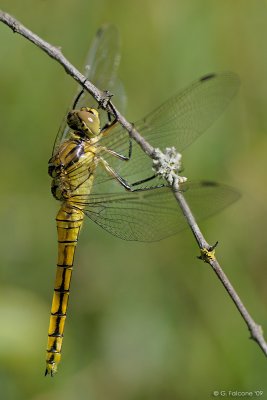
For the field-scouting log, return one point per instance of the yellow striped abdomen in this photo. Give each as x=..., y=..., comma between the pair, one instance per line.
x=69, y=222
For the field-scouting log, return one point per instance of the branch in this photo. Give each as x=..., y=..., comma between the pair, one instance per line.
x=207, y=251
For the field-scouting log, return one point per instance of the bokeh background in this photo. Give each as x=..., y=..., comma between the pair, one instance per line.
x=146, y=321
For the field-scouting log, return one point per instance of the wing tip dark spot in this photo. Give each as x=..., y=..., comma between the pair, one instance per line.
x=207, y=77
x=209, y=183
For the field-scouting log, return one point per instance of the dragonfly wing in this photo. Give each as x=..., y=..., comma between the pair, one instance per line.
x=101, y=69
x=151, y=215
x=177, y=122
x=102, y=66
x=180, y=120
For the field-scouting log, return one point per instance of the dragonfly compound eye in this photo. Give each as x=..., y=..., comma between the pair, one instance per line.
x=85, y=120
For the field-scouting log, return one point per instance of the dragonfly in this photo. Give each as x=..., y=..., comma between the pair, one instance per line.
x=98, y=172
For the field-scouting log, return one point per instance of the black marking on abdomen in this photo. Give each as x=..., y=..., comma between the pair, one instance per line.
x=55, y=335
x=65, y=266
x=68, y=241
x=71, y=221
x=60, y=290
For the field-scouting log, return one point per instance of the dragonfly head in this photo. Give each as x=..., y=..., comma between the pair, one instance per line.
x=86, y=120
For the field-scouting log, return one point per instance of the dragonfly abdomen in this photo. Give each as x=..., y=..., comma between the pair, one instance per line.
x=69, y=222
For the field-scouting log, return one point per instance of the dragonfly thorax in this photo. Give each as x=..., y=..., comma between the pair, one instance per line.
x=86, y=121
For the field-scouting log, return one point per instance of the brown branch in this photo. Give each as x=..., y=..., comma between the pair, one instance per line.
x=207, y=251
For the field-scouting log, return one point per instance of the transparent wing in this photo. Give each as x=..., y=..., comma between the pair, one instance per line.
x=180, y=120
x=102, y=66
x=177, y=122
x=101, y=69
x=152, y=215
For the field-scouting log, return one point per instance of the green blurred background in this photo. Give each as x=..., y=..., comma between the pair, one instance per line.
x=146, y=321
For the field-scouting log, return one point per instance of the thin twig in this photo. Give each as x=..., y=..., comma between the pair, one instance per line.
x=207, y=251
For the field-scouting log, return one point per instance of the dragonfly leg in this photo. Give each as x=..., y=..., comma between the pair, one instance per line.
x=145, y=180
x=105, y=100
x=115, y=175
x=118, y=155
x=103, y=104
x=108, y=127
x=124, y=158
x=77, y=98
x=127, y=186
